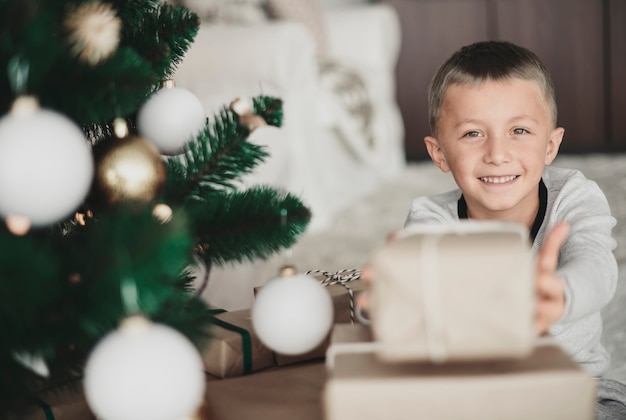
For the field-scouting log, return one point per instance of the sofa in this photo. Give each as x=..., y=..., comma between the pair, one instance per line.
x=342, y=136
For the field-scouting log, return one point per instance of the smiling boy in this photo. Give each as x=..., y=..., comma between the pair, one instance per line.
x=493, y=120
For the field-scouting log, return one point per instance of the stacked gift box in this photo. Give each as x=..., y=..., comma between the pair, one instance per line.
x=546, y=385
x=452, y=336
x=236, y=350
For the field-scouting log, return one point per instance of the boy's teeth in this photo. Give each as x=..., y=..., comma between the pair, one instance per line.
x=498, y=179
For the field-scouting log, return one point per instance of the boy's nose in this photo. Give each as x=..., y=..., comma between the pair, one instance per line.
x=497, y=150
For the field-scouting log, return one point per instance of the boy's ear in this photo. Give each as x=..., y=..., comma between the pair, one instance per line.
x=436, y=153
x=554, y=142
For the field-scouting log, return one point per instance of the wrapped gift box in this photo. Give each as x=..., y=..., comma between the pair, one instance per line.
x=65, y=403
x=234, y=349
x=342, y=286
x=462, y=291
x=317, y=353
x=547, y=385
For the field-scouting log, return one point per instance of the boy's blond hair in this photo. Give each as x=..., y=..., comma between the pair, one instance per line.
x=489, y=60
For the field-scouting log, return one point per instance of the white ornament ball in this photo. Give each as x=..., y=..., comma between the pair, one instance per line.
x=46, y=166
x=292, y=315
x=170, y=118
x=144, y=371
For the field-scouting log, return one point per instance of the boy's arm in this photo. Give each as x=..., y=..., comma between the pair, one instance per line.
x=587, y=263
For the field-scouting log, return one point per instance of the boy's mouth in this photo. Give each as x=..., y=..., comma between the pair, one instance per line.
x=498, y=179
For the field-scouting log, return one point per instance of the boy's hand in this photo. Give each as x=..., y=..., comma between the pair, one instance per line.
x=550, y=288
x=362, y=299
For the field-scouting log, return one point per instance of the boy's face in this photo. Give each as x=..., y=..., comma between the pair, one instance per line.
x=496, y=137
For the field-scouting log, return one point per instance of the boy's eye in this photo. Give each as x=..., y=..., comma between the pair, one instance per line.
x=520, y=131
x=472, y=134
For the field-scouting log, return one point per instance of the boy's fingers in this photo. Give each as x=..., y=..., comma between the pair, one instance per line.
x=549, y=254
x=549, y=287
x=366, y=276
x=362, y=300
x=392, y=236
x=546, y=315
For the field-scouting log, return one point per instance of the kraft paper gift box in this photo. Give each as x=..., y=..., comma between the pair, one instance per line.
x=64, y=403
x=342, y=286
x=546, y=385
x=234, y=349
x=462, y=291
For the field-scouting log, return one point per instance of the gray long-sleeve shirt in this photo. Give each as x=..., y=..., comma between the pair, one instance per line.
x=586, y=262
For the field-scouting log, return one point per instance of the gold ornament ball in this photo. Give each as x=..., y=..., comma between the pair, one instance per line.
x=93, y=31
x=128, y=169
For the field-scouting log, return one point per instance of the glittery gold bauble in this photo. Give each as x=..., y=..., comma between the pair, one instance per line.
x=128, y=169
x=94, y=31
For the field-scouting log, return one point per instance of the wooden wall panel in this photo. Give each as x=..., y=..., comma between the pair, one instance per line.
x=431, y=31
x=582, y=42
x=617, y=62
x=568, y=36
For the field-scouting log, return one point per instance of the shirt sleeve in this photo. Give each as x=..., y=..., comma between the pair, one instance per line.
x=434, y=209
x=586, y=262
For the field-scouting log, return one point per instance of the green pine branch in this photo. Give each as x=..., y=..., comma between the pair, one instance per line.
x=155, y=36
x=30, y=46
x=96, y=95
x=61, y=294
x=220, y=155
x=130, y=248
x=238, y=226
x=214, y=161
x=270, y=109
x=160, y=32
x=232, y=225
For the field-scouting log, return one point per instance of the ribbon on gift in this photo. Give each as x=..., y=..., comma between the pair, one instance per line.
x=433, y=315
x=246, y=339
x=45, y=407
x=341, y=277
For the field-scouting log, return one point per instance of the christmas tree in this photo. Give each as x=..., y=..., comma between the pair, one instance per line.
x=80, y=250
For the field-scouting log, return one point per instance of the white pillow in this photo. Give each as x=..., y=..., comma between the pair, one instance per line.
x=227, y=11
x=307, y=12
